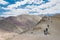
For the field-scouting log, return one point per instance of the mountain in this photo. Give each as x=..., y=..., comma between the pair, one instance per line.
x=1, y=18
x=23, y=23
x=20, y=23
x=32, y=27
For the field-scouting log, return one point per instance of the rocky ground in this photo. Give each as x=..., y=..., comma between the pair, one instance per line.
x=37, y=33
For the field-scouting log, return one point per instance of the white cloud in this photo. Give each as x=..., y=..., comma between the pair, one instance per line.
x=15, y=12
x=34, y=1
x=24, y=2
x=51, y=7
x=3, y=2
x=16, y=5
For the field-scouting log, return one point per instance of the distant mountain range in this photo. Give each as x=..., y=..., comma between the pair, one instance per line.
x=21, y=23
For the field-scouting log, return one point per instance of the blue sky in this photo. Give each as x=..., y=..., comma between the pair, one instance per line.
x=33, y=7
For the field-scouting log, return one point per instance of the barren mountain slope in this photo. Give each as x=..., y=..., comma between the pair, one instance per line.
x=19, y=24
x=38, y=27
x=38, y=32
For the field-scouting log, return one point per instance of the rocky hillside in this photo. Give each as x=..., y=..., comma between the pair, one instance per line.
x=31, y=26
x=20, y=23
